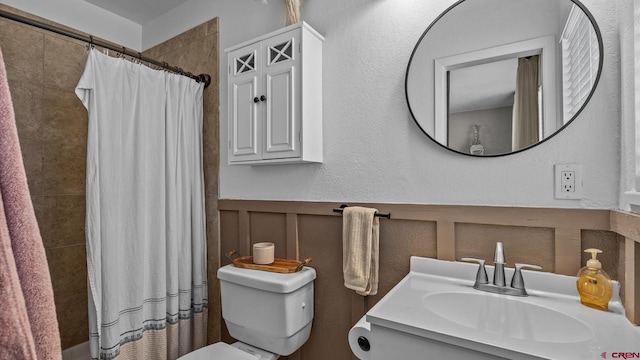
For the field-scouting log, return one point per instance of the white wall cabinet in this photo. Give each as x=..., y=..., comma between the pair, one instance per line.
x=275, y=98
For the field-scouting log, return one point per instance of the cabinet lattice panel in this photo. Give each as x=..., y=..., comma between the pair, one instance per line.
x=245, y=64
x=281, y=52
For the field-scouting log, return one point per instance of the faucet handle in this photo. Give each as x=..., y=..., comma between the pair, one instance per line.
x=498, y=256
x=481, y=275
x=517, y=282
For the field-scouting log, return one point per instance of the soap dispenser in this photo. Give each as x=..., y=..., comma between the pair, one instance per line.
x=594, y=285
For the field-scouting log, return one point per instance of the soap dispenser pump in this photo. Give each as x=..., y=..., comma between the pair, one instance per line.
x=594, y=285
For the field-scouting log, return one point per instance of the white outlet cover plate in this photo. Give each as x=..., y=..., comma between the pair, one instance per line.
x=577, y=193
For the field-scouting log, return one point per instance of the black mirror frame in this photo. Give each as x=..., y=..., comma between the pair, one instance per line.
x=595, y=84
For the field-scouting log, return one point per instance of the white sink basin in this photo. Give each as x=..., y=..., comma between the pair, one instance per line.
x=507, y=316
x=436, y=310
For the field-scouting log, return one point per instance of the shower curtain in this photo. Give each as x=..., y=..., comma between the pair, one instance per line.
x=145, y=221
x=525, y=103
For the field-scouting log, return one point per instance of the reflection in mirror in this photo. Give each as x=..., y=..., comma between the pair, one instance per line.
x=503, y=74
x=504, y=97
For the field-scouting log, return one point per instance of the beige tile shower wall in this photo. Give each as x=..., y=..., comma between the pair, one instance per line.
x=552, y=238
x=196, y=51
x=43, y=69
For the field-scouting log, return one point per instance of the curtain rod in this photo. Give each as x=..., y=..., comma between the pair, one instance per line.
x=205, y=78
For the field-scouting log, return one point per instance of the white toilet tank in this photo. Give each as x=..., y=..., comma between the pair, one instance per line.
x=268, y=310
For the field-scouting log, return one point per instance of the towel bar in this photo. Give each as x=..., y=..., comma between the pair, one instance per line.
x=384, y=215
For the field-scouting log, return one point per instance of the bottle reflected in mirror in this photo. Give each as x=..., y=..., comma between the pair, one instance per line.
x=476, y=146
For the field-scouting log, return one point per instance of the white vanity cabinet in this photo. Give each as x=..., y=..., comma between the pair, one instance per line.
x=275, y=98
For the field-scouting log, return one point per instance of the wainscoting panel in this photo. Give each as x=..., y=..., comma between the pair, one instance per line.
x=321, y=238
x=553, y=238
x=521, y=244
x=628, y=227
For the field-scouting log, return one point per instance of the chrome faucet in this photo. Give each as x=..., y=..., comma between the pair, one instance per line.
x=499, y=282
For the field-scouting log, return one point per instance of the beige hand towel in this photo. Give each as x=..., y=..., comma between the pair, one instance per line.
x=360, y=249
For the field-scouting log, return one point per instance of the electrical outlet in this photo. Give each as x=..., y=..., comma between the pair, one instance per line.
x=568, y=181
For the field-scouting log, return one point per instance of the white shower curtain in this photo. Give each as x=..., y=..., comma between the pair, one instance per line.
x=145, y=221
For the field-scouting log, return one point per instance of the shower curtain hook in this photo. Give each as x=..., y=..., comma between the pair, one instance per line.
x=139, y=57
x=90, y=44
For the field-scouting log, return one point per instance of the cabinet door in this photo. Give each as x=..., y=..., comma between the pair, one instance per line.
x=244, y=104
x=281, y=77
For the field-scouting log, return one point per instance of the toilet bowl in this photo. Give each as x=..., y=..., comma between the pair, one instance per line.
x=270, y=314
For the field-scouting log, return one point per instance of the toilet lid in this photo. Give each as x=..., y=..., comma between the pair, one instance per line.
x=221, y=351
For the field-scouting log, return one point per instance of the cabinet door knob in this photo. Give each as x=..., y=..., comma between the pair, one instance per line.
x=263, y=98
x=255, y=99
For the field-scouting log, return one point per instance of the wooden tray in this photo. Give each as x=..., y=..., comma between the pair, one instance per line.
x=278, y=265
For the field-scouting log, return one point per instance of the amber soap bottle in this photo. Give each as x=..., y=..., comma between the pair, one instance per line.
x=594, y=285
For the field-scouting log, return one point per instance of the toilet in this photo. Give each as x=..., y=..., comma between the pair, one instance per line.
x=269, y=313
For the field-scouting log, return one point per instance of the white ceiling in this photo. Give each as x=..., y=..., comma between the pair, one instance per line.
x=485, y=86
x=138, y=11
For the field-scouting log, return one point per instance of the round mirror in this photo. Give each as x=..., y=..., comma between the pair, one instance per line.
x=495, y=77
